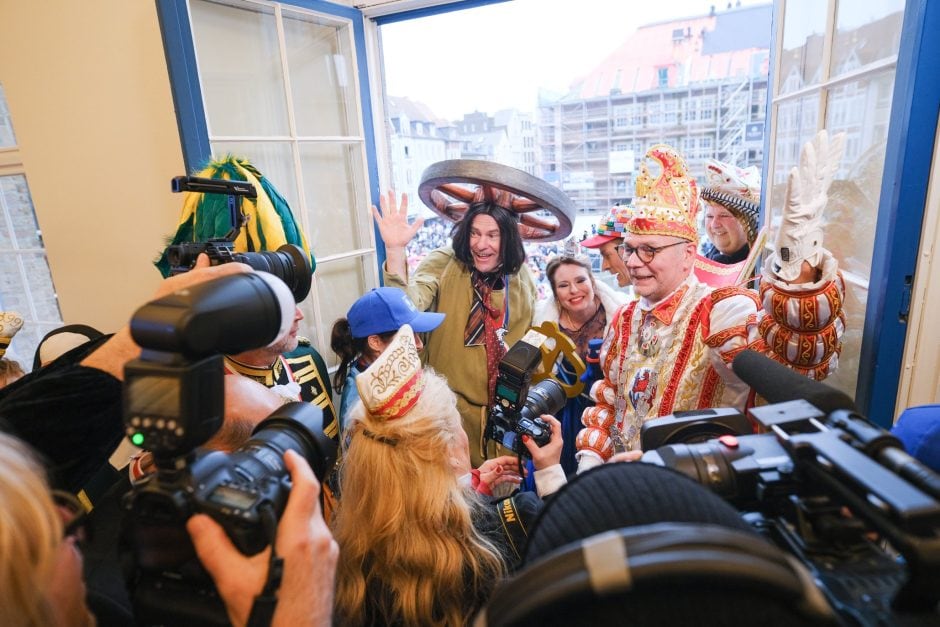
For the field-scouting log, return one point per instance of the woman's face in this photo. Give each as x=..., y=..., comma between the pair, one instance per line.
x=724, y=230
x=573, y=289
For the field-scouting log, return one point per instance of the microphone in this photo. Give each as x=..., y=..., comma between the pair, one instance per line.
x=779, y=384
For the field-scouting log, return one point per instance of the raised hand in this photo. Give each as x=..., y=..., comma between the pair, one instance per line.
x=800, y=236
x=392, y=221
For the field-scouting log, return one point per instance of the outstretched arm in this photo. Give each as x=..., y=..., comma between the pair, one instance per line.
x=393, y=225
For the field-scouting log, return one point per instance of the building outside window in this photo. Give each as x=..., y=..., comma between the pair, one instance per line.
x=836, y=70
x=26, y=285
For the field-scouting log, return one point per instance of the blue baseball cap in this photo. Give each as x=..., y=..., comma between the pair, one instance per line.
x=386, y=309
x=918, y=428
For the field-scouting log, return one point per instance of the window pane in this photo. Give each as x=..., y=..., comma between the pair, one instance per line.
x=240, y=69
x=7, y=138
x=339, y=283
x=796, y=124
x=40, y=286
x=856, y=297
x=804, y=23
x=322, y=76
x=13, y=295
x=865, y=32
x=19, y=207
x=334, y=187
x=861, y=109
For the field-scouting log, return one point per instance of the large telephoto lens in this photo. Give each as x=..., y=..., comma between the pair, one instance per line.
x=288, y=263
x=545, y=397
x=295, y=426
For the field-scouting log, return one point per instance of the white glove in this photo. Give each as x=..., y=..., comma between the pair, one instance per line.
x=800, y=236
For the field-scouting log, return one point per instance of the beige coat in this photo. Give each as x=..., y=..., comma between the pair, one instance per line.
x=442, y=283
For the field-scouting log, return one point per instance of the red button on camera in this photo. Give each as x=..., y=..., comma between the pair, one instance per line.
x=729, y=440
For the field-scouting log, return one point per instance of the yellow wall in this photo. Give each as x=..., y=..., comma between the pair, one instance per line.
x=89, y=95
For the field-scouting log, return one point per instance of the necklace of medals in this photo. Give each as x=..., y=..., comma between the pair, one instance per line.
x=645, y=329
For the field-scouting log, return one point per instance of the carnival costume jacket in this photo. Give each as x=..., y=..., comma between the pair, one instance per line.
x=442, y=283
x=674, y=355
x=300, y=375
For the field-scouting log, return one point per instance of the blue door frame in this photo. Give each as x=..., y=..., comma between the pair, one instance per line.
x=911, y=135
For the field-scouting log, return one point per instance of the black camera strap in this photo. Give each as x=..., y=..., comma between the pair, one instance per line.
x=262, y=610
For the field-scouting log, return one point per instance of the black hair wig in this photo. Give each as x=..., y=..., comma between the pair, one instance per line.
x=511, y=252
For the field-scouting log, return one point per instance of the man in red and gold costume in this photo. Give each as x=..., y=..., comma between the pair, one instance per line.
x=671, y=349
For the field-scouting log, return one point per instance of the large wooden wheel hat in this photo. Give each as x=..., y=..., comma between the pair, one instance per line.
x=449, y=187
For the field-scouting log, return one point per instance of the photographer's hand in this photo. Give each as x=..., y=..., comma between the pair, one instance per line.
x=303, y=541
x=201, y=272
x=626, y=456
x=550, y=454
x=497, y=471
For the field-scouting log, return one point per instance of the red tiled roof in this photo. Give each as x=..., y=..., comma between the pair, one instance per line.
x=635, y=65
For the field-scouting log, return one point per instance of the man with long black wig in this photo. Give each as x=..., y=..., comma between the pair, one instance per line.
x=483, y=285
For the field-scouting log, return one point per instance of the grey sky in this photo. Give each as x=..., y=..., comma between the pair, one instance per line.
x=498, y=56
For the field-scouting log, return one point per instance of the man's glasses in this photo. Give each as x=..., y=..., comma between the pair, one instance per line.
x=644, y=252
x=74, y=516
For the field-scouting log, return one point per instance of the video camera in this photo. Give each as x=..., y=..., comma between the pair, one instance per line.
x=518, y=405
x=173, y=403
x=289, y=262
x=822, y=482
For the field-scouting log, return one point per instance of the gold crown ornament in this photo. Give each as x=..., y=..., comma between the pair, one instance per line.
x=668, y=204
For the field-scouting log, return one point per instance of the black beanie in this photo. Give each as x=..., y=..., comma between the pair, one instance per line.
x=618, y=495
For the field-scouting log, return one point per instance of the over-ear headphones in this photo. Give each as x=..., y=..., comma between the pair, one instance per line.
x=662, y=574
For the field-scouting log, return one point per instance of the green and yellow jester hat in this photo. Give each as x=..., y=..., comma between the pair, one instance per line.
x=270, y=224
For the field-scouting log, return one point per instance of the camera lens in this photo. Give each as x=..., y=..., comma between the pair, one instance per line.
x=288, y=263
x=295, y=426
x=545, y=397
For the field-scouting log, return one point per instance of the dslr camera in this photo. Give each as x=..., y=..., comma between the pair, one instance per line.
x=519, y=404
x=837, y=492
x=289, y=262
x=173, y=404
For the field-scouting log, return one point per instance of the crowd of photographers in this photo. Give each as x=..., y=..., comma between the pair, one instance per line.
x=190, y=455
x=83, y=388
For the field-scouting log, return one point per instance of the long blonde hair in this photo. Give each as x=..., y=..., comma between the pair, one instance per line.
x=30, y=535
x=409, y=552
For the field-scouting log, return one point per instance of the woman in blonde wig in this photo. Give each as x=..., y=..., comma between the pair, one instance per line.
x=40, y=567
x=418, y=546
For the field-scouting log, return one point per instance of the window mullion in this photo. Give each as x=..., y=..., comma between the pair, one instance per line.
x=314, y=297
x=826, y=63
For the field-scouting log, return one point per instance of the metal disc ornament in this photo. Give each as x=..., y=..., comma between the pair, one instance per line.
x=449, y=188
